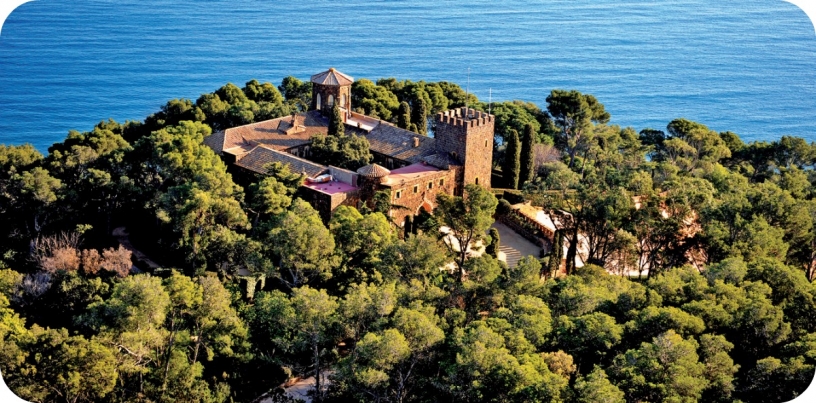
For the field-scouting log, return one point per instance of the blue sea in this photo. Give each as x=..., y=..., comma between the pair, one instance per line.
x=747, y=66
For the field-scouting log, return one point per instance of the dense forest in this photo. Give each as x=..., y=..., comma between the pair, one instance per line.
x=241, y=286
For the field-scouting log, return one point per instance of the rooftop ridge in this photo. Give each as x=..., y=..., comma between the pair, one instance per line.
x=332, y=77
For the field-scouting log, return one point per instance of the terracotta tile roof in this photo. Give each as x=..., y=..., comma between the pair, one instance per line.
x=278, y=134
x=399, y=143
x=441, y=160
x=261, y=155
x=373, y=171
x=215, y=141
x=332, y=77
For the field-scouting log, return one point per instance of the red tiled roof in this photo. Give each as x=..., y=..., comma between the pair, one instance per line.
x=399, y=143
x=332, y=77
x=215, y=141
x=441, y=160
x=278, y=134
x=258, y=157
x=373, y=171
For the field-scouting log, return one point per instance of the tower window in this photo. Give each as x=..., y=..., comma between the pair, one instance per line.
x=476, y=180
x=318, y=104
x=398, y=194
x=442, y=182
x=485, y=143
x=430, y=185
x=416, y=188
x=331, y=100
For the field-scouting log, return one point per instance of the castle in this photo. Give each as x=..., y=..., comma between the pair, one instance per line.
x=415, y=168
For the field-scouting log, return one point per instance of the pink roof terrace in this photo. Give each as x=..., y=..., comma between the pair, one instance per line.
x=410, y=172
x=331, y=187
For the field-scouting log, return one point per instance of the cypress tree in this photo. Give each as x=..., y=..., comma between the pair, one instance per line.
x=420, y=117
x=336, y=127
x=404, y=116
x=556, y=253
x=492, y=248
x=512, y=155
x=526, y=170
x=409, y=226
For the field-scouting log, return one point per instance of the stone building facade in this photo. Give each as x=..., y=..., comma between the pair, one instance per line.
x=413, y=167
x=467, y=135
x=415, y=187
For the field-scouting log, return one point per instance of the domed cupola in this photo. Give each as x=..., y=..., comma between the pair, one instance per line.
x=330, y=87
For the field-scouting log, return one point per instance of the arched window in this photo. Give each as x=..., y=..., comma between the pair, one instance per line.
x=331, y=101
x=318, y=105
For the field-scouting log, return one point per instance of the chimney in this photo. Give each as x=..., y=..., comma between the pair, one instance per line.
x=416, y=142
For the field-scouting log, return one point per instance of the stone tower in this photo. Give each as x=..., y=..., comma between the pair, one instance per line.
x=467, y=135
x=330, y=87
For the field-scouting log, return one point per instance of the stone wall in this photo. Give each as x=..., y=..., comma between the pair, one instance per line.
x=468, y=135
x=413, y=201
x=325, y=203
x=343, y=175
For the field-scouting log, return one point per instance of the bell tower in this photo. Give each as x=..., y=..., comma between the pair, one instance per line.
x=467, y=135
x=331, y=87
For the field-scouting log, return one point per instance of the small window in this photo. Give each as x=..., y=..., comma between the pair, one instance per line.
x=430, y=185
x=477, y=180
x=398, y=194
x=485, y=143
x=318, y=103
x=442, y=182
x=416, y=188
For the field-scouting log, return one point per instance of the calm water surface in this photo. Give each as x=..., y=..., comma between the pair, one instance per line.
x=745, y=66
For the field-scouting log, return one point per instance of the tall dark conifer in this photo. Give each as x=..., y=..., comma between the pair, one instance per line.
x=526, y=170
x=404, y=116
x=420, y=116
x=512, y=155
x=556, y=254
x=409, y=226
x=492, y=248
x=336, y=122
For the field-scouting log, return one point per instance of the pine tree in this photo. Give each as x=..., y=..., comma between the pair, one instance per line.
x=420, y=116
x=526, y=169
x=512, y=155
x=404, y=116
x=336, y=122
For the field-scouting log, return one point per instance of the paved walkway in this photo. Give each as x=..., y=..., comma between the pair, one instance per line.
x=513, y=246
x=121, y=235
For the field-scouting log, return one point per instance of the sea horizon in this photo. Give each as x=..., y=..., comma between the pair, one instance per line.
x=746, y=67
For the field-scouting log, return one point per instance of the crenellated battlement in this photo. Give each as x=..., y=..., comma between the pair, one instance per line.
x=467, y=136
x=465, y=117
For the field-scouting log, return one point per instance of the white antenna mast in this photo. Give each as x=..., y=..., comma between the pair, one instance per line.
x=467, y=93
